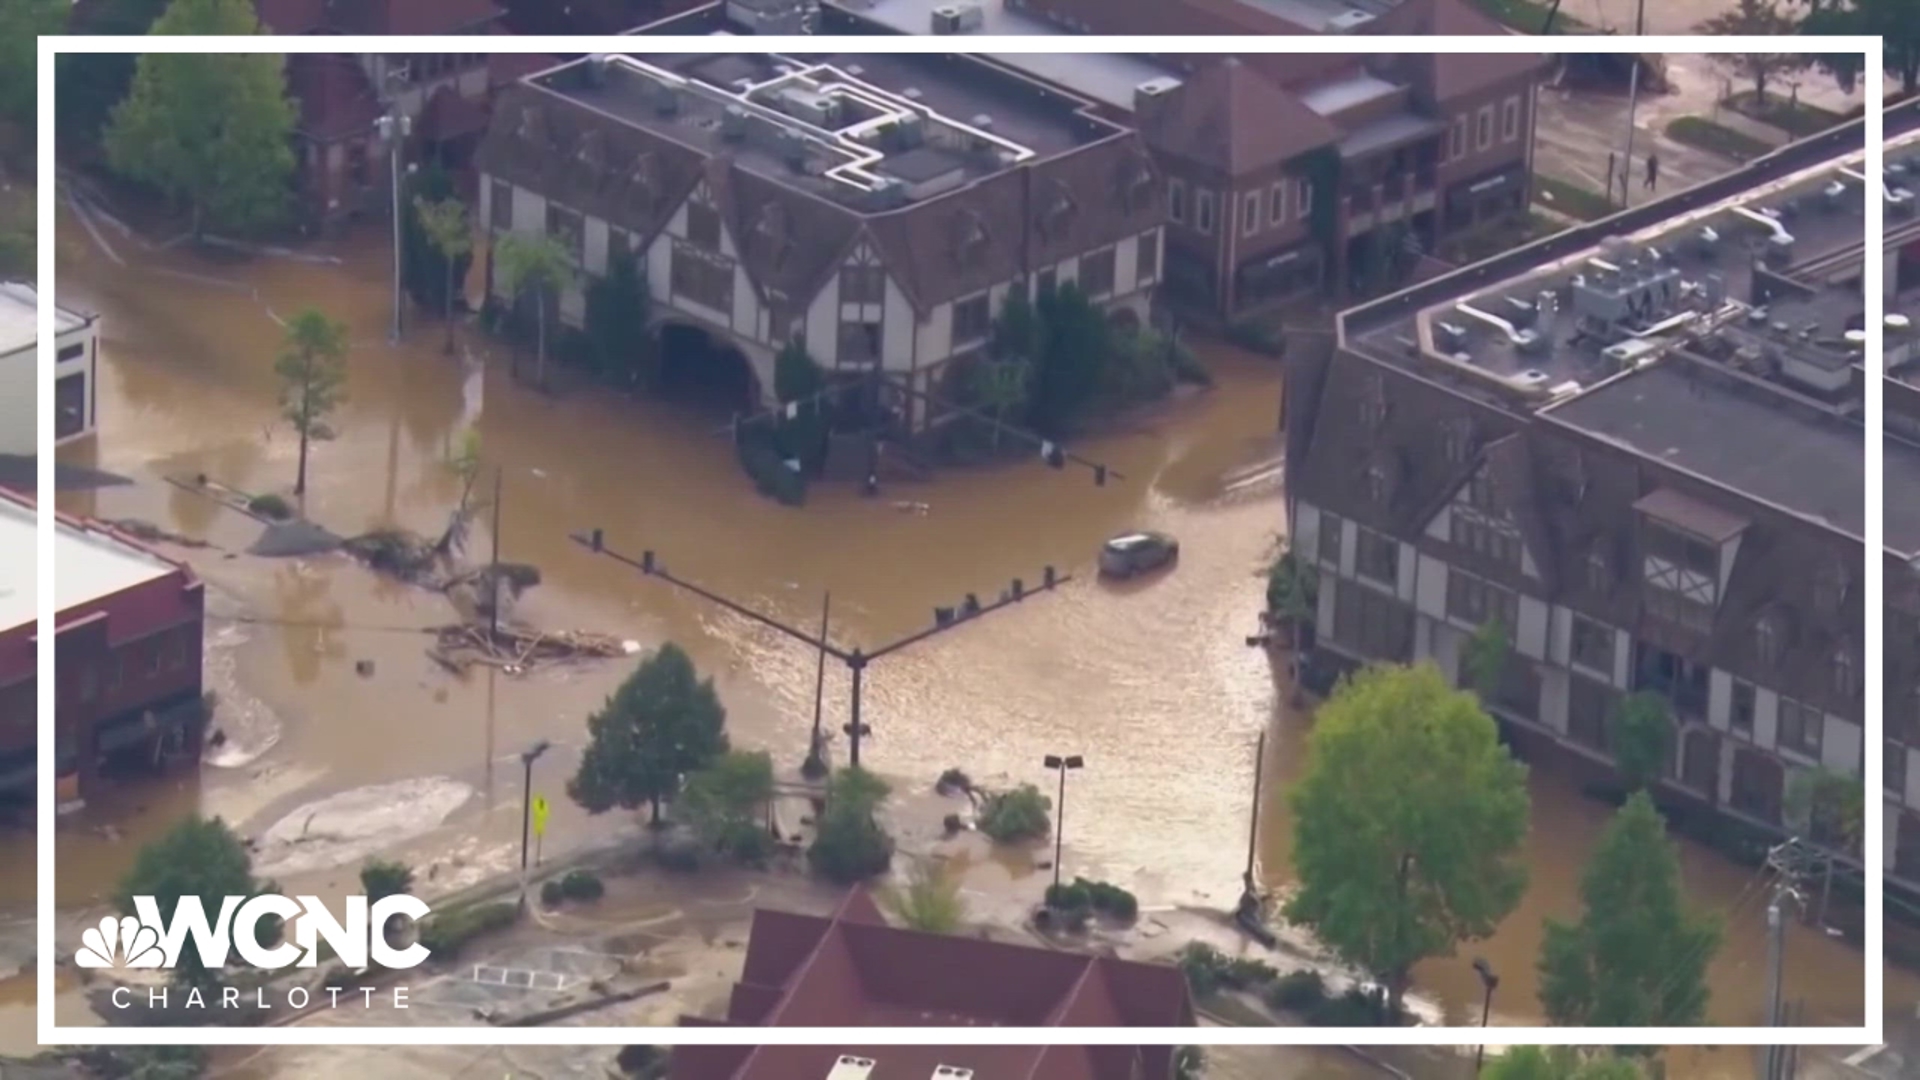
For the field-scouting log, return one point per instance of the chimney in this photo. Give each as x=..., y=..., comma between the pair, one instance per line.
x=1153, y=99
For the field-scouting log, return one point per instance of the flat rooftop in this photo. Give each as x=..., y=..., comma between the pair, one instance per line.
x=1108, y=78
x=89, y=563
x=1901, y=497
x=1736, y=432
x=19, y=326
x=872, y=131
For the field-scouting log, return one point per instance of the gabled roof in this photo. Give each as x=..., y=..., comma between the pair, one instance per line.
x=1231, y=118
x=333, y=93
x=851, y=969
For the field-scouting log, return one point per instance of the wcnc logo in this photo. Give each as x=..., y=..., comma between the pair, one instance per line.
x=144, y=940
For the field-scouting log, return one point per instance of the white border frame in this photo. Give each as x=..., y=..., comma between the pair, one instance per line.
x=51, y=1033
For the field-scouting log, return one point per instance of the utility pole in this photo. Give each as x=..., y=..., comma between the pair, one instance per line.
x=1633, y=102
x=493, y=567
x=816, y=764
x=1250, y=888
x=857, y=660
x=394, y=128
x=1787, y=860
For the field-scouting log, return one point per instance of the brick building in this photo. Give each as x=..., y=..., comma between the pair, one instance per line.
x=877, y=208
x=850, y=969
x=1900, y=781
x=127, y=654
x=1637, y=445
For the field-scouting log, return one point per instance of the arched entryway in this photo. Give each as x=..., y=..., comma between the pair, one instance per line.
x=700, y=367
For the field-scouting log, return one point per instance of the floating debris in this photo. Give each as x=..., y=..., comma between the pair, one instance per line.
x=515, y=650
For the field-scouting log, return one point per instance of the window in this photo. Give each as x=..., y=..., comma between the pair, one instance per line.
x=703, y=226
x=1048, y=281
x=177, y=646
x=1599, y=571
x=1277, y=203
x=1203, y=211
x=500, y=205
x=71, y=352
x=1302, y=198
x=1740, y=711
x=116, y=671
x=1457, y=138
x=1846, y=676
x=1330, y=527
x=1510, y=120
x=1483, y=129
x=704, y=280
x=1683, y=572
x=1147, y=258
x=1476, y=600
x=1377, y=557
x=1894, y=768
x=70, y=405
x=90, y=683
x=1177, y=200
x=568, y=229
x=1592, y=646
x=863, y=285
x=156, y=654
x=1801, y=727
x=859, y=342
x=1373, y=624
x=1250, y=213
x=972, y=320
x=1377, y=484
x=1490, y=540
x=1096, y=272
x=1589, y=704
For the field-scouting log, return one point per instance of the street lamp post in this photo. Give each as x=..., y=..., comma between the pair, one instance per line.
x=856, y=659
x=527, y=758
x=1489, y=981
x=1061, y=765
x=394, y=129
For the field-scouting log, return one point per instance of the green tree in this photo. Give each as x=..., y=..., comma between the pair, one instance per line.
x=624, y=347
x=313, y=377
x=536, y=267
x=450, y=235
x=928, y=900
x=1020, y=814
x=797, y=378
x=1826, y=806
x=1293, y=586
x=1559, y=1063
x=1002, y=388
x=849, y=845
x=199, y=857
x=381, y=878
x=1641, y=737
x=21, y=23
x=1407, y=823
x=663, y=723
x=1637, y=957
x=144, y=1062
x=212, y=132
x=1484, y=661
x=726, y=804
x=1892, y=21
x=1076, y=342
x=1757, y=18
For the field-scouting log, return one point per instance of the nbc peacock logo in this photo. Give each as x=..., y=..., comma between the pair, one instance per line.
x=124, y=943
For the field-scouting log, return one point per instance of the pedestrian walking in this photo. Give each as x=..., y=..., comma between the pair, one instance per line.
x=1653, y=171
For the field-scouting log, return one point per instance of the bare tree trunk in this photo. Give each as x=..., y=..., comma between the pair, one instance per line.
x=300, y=482
x=449, y=347
x=540, y=357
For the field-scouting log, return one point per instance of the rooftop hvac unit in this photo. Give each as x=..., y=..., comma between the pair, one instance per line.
x=598, y=68
x=850, y=1067
x=733, y=123
x=958, y=18
x=666, y=100
x=808, y=107
x=1900, y=202
x=1155, y=88
x=1530, y=379
x=951, y=1072
x=1348, y=21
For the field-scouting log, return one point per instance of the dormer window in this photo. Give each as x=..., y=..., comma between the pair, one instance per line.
x=1599, y=570
x=1373, y=404
x=1766, y=640
x=1057, y=215
x=1830, y=589
x=528, y=129
x=1136, y=184
x=1377, y=486
x=587, y=151
x=1458, y=440
x=1846, y=675
x=970, y=238
x=771, y=234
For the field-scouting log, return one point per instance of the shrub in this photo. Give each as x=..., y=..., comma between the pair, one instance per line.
x=551, y=894
x=760, y=456
x=447, y=932
x=1070, y=897
x=381, y=878
x=1205, y=968
x=1299, y=992
x=850, y=847
x=1355, y=1008
x=582, y=885
x=272, y=507
x=952, y=781
x=1111, y=900
x=1246, y=973
x=1020, y=814
x=644, y=1062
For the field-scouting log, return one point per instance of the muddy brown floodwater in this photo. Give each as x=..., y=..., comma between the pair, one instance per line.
x=1152, y=683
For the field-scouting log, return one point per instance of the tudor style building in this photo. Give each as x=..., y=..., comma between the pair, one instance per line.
x=1288, y=176
x=1639, y=448
x=1900, y=781
x=878, y=209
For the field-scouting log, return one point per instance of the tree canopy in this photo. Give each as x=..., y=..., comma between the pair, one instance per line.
x=212, y=132
x=1641, y=737
x=313, y=375
x=1637, y=957
x=663, y=723
x=1407, y=823
x=198, y=857
x=625, y=350
x=1560, y=1063
x=1892, y=21
x=726, y=804
x=849, y=844
x=21, y=22
x=1757, y=18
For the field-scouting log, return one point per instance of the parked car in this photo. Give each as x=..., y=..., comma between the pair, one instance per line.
x=1135, y=553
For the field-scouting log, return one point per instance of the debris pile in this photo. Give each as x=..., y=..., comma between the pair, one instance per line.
x=461, y=646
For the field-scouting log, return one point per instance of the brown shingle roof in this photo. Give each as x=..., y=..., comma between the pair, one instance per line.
x=1453, y=75
x=1231, y=118
x=333, y=94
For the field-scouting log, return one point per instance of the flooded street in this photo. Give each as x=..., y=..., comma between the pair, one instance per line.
x=1153, y=683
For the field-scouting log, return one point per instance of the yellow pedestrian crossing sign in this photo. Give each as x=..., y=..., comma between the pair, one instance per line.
x=540, y=811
